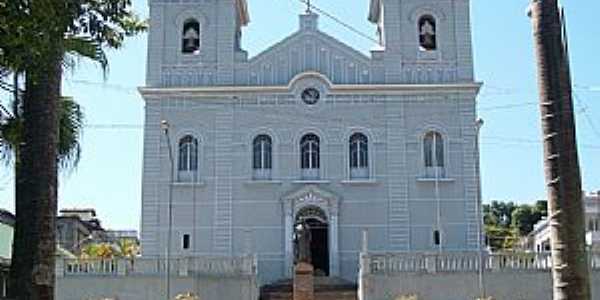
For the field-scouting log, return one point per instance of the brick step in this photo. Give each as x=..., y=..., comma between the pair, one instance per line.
x=332, y=295
x=326, y=288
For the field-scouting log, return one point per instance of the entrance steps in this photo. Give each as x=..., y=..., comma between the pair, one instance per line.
x=326, y=288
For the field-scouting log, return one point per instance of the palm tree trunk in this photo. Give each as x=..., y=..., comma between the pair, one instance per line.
x=566, y=215
x=32, y=270
x=16, y=94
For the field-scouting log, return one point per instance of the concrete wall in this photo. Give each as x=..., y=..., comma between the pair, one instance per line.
x=92, y=287
x=6, y=240
x=516, y=285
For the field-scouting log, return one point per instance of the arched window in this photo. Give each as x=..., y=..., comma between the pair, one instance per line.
x=433, y=147
x=262, y=157
x=359, y=156
x=190, y=37
x=310, y=156
x=427, y=33
x=188, y=158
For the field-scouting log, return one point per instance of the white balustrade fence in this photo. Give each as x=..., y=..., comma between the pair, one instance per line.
x=392, y=263
x=221, y=266
x=92, y=267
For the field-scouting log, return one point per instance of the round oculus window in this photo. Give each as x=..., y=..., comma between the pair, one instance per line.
x=311, y=96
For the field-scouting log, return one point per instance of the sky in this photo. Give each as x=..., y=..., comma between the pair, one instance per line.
x=108, y=178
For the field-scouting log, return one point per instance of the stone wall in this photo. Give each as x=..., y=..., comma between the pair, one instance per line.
x=509, y=285
x=148, y=287
x=455, y=277
x=146, y=279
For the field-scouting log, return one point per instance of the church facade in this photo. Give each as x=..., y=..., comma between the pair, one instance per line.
x=239, y=150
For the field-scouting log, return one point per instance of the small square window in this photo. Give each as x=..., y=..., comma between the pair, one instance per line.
x=437, y=239
x=186, y=241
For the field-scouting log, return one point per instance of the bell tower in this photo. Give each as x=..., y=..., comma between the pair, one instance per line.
x=424, y=41
x=195, y=43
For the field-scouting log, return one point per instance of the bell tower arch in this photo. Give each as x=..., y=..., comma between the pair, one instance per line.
x=424, y=41
x=195, y=43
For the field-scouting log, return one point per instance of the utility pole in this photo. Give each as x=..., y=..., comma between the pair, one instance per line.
x=480, y=226
x=570, y=271
x=165, y=128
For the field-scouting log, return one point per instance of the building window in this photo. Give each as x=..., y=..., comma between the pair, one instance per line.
x=437, y=238
x=427, y=33
x=191, y=37
x=591, y=226
x=262, y=158
x=185, y=243
x=433, y=148
x=359, y=156
x=310, y=156
x=188, y=158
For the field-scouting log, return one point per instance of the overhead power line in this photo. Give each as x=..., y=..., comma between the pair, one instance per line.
x=508, y=106
x=588, y=88
x=114, y=126
x=339, y=21
x=587, y=118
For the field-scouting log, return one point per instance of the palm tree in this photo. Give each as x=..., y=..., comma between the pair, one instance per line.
x=35, y=38
x=99, y=250
x=563, y=179
x=70, y=129
x=127, y=249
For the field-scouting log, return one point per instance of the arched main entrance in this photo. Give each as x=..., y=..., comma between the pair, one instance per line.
x=318, y=207
x=316, y=219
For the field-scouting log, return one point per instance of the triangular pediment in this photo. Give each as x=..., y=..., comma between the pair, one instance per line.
x=309, y=51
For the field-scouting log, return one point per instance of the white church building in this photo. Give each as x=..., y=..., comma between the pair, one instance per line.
x=238, y=149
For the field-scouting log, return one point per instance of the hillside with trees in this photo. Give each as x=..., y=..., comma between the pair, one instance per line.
x=507, y=222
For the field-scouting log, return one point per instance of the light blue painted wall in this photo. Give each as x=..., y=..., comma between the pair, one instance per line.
x=6, y=241
x=225, y=99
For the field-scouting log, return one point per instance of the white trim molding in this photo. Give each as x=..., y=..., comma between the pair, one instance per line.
x=237, y=93
x=311, y=195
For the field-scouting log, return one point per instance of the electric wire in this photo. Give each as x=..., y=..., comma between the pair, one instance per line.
x=339, y=21
x=587, y=118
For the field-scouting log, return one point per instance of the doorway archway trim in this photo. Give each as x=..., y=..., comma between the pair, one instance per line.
x=306, y=196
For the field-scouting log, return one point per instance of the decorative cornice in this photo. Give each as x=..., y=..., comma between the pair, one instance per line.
x=234, y=92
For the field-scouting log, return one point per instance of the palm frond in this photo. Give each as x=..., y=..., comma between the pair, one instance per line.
x=11, y=135
x=78, y=47
x=71, y=122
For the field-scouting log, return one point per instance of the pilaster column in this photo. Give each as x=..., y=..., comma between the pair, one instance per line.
x=334, y=263
x=334, y=258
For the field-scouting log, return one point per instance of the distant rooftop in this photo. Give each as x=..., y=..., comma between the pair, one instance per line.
x=594, y=194
x=70, y=211
x=133, y=234
x=84, y=214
